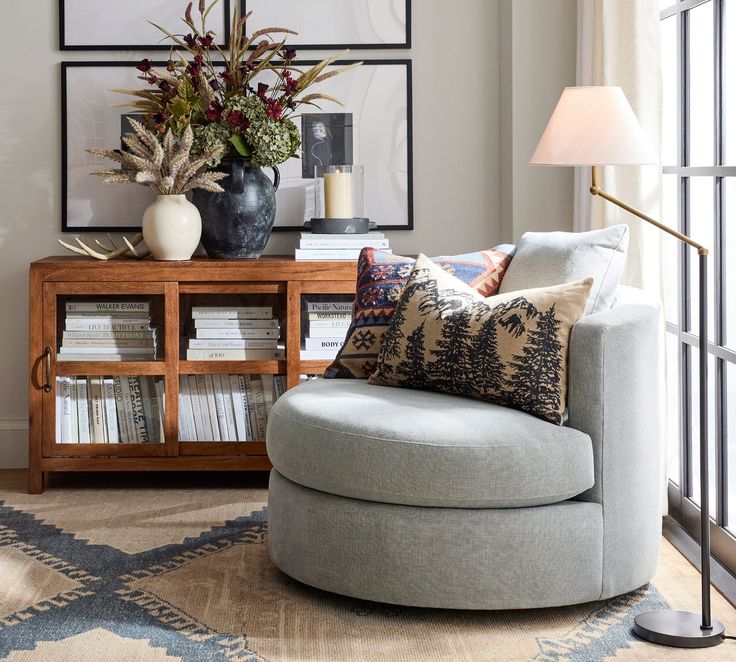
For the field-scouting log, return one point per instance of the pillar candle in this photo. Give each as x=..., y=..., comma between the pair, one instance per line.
x=338, y=195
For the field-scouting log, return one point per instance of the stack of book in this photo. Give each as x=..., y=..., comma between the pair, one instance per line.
x=108, y=331
x=326, y=329
x=338, y=247
x=109, y=410
x=227, y=407
x=234, y=333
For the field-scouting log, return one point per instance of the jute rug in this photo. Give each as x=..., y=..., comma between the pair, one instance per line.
x=116, y=571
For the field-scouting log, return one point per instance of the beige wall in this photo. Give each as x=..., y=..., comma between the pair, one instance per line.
x=486, y=75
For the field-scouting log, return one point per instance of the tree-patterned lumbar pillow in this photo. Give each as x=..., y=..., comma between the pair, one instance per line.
x=381, y=280
x=509, y=349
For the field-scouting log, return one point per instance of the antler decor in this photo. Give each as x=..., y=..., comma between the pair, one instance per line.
x=109, y=251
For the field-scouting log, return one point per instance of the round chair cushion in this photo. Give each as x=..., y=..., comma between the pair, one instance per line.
x=402, y=446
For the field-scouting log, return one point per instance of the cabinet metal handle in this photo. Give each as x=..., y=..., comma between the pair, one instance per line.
x=47, y=368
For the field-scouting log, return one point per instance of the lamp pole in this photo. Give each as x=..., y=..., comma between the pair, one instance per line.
x=669, y=627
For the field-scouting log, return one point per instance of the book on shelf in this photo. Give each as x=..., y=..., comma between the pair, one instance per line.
x=107, y=349
x=343, y=241
x=345, y=307
x=238, y=334
x=108, y=307
x=325, y=316
x=235, y=409
x=108, y=317
x=104, y=357
x=328, y=331
x=83, y=411
x=233, y=343
x=109, y=343
x=111, y=415
x=329, y=254
x=220, y=323
x=318, y=354
x=342, y=322
x=324, y=344
x=236, y=354
x=109, y=326
x=232, y=312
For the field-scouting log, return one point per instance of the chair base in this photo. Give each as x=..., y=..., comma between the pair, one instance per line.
x=680, y=629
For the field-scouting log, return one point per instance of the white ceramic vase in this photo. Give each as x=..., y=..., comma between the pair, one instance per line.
x=172, y=227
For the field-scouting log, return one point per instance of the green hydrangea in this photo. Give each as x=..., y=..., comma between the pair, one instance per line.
x=208, y=137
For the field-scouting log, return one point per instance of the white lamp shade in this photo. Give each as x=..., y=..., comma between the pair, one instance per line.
x=593, y=126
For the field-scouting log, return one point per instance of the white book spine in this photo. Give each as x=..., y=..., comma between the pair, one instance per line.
x=259, y=407
x=131, y=431
x=318, y=354
x=107, y=349
x=340, y=323
x=227, y=395
x=201, y=434
x=144, y=381
x=161, y=404
x=155, y=404
x=323, y=344
x=83, y=410
x=237, y=312
x=238, y=408
x=117, y=387
x=97, y=410
x=279, y=386
x=109, y=335
x=212, y=407
x=111, y=414
x=107, y=307
x=220, y=408
x=337, y=332
x=342, y=244
x=233, y=343
x=204, y=408
x=235, y=354
x=188, y=409
x=236, y=324
x=238, y=334
x=112, y=358
x=243, y=382
x=184, y=433
x=327, y=255
x=342, y=306
x=129, y=326
x=251, y=405
x=268, y=392
x=75, y=411
x=325, y=316
x=65, y=410
x=110, y=345
x=139, y=414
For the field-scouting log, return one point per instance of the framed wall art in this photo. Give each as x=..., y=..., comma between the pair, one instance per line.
x=336, y=23
x=106, y=25
x=373, y=129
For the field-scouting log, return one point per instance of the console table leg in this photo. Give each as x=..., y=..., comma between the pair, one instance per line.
x=35, y=481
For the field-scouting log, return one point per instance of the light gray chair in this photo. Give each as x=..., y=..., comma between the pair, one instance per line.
x=430, y=500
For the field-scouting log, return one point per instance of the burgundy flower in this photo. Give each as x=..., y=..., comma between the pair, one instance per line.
x=170, y=65
x=194, y=69
x=262, y=89
x=207, y=40
x=214, y=112
x=288, y=54
x=237, y=120
x=144, y=65
x=274, y=109
x=215, y=84
x=190, y=40
x=290, y=85
x=152, y=80
x=164, y=86
x=199, y=59
x=161, y=118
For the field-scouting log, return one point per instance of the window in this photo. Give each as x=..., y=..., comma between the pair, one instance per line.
x=699, y=189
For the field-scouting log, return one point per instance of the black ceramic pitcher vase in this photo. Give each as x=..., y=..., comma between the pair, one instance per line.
x=238, y=222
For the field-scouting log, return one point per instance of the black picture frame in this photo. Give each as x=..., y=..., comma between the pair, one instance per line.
x=67, y=65
x=294, y=42
x=65, y=46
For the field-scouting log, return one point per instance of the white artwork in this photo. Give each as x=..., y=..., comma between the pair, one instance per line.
x=330, y=23
x=124, y=24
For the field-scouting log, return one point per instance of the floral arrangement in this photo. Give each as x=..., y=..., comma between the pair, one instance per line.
x=164, y=165
x=241, y=101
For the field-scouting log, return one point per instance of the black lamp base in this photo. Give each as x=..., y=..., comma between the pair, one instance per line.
x=677, y=628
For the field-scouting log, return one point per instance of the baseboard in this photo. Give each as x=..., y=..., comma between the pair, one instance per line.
x=13, y=442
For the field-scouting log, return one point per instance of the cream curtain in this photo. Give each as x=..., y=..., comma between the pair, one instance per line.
x=619, y=44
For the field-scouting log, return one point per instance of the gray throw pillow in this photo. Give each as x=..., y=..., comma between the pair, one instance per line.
x=543, y=259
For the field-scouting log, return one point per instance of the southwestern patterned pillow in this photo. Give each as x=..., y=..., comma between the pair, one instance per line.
x=510, y=349
x=381, y=280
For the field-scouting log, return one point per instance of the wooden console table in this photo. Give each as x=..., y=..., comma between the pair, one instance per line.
x=173, y=286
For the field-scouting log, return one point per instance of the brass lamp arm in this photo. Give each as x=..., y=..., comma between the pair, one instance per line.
x=596, y=190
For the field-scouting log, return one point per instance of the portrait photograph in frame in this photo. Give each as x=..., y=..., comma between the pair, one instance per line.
x=374, y=125
x=335, y=23
x=108, y=25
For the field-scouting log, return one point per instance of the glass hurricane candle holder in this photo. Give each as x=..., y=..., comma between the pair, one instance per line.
x=339, y=195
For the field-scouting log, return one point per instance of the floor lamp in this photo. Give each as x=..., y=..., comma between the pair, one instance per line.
x=595, y=126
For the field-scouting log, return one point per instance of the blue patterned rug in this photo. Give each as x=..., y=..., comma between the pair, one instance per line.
x=180, y=575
